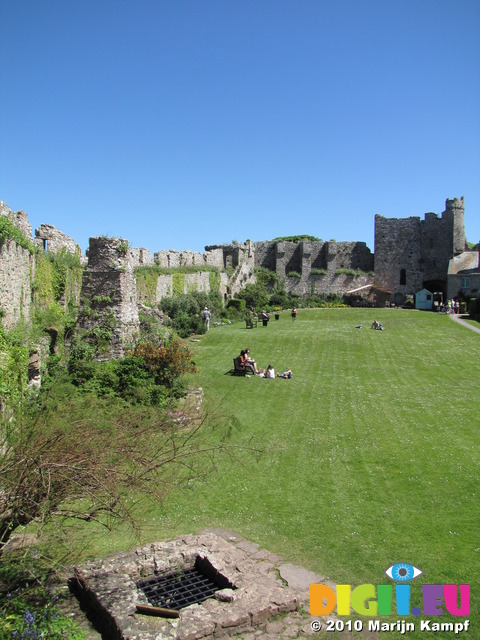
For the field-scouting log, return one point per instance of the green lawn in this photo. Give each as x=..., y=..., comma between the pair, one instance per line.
x=370, y=453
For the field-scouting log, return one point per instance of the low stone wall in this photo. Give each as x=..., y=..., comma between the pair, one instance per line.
x=260, y=585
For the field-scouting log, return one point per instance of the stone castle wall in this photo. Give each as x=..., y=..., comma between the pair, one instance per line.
x=17, y=272
x=285, y=257
x=109, y=295
x=409, y=254
x=50, y=239
x=412, y=254
x=19, y=219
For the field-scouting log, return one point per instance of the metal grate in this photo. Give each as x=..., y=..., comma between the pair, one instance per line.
x=181, y=589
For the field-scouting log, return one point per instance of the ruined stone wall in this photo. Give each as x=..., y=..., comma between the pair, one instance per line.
x=265, y=254
x=140, y=257
x=164, y=287
x=109, y=295
x=214, y=258
x=50, y=239
x=19, y=219
x=173, y=259
x=285, y=257
x=17, y=272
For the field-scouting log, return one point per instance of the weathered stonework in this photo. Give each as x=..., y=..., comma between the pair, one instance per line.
x=109, y=294
x=264, y=586
x=412, y=254
x=140, y=258
x=19, y=219
x=17, y=272
x=50, y=239
x=302, y=258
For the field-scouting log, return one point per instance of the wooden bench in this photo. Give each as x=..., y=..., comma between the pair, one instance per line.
x=251, y=322
x=238, y=369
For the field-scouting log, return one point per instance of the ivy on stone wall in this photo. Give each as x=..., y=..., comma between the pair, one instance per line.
x=57, y=275
x=214, y=281
x=178, y=284
x=147, y=280
x=43, y=286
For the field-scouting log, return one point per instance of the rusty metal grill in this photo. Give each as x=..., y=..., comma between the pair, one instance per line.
x=181, y=589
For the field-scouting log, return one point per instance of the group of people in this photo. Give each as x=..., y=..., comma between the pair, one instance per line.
x=248, y=362
x=376, y=325
x=451, y=306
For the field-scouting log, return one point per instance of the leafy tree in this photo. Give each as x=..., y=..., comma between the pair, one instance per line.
x=185, y=310
x=255, y=295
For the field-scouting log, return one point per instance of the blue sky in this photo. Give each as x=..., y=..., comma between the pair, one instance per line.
x=178, y=124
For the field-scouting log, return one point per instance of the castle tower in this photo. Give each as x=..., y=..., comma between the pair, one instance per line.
x=108, y=310
x=455, y=212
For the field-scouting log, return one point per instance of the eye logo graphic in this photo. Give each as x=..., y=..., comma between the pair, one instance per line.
x=403, y=572
x=384, y=599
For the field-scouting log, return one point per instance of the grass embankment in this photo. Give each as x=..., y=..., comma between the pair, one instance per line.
x=370, y=452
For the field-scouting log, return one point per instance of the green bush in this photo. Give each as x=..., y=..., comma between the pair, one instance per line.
x=185, y=310
x=294, y=274
x=238, y=304
x=474, y=308
x=256, y=296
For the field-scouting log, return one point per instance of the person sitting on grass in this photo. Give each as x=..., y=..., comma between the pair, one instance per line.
x=270, y=372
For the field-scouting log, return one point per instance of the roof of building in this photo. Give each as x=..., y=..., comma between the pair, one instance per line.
x=466, y=262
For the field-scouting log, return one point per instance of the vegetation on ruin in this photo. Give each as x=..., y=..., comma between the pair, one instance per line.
x=354, y=272
x=9, y=231
x=57, y=276
x=315, y=271
x=298, y=238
